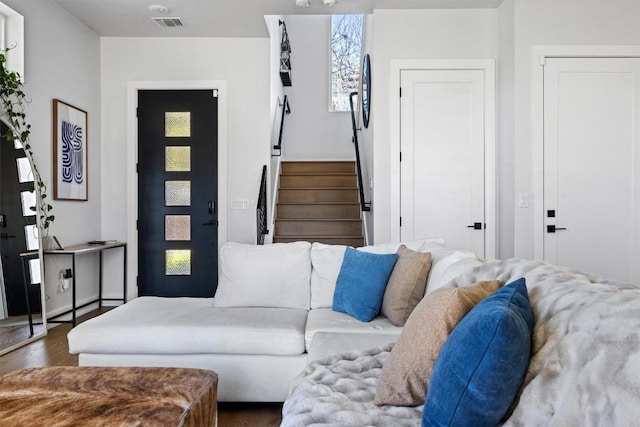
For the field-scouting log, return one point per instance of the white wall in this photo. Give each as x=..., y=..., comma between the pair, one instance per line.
x=505, y=130
x=242, y=63
x=276, y=90
x=415, y=34
x=549, y=22
x=62, y=60
x=311, y=131
x=365, y=136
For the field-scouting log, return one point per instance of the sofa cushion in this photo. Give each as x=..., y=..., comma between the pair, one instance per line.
x=406, y=374
x=325, y=344
x=451, y=267
x=442, y=259
x=327, y=260
x=483, y=363
x=390, y=248
x=276, y=275
x=327, y=320
x=361, y=283
x=154, y=325
x=406, y=285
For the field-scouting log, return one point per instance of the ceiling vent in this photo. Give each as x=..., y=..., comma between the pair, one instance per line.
x=167, y=22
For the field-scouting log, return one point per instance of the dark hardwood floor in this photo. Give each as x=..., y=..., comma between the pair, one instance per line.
x=53, y=350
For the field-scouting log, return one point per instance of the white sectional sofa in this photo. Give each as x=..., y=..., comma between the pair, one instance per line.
x=271, y=315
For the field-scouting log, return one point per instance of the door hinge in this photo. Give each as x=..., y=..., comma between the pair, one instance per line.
x=137, y=167
x=137, y=111
x=215, y=93
x=137, y=224
x=137, y=281
x=400, y=92
x=400, y=221
x=401, y=156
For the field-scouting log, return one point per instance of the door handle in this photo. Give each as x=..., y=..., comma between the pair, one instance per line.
x=553, y=228
x=475, y=226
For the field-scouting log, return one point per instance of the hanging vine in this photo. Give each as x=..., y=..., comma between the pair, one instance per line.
x=13, y=102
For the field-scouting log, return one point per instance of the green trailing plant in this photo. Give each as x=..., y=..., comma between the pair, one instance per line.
x=13, y=102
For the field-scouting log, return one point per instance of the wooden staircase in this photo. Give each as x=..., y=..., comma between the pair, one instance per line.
x=318, y=202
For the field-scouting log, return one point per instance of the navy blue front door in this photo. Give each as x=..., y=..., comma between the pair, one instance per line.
x=177, y=192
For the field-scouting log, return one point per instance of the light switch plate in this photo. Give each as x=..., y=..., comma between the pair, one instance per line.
x=523, y=200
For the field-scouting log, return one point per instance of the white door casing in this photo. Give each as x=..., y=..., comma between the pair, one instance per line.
x=446, y=134
x=591, y=154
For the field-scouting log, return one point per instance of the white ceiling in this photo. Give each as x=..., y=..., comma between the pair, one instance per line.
x=225, y=18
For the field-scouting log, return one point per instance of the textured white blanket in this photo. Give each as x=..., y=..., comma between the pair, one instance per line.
x=584, y=369
x=339, y=391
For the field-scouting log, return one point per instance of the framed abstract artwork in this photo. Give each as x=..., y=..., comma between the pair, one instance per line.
x=69, y=152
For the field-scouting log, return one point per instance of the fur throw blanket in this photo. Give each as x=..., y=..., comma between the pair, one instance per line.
x=584, y=368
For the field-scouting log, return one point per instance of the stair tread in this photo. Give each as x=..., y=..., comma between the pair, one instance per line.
x=317, y=236
x=318, y=174
x=317, y=188
x=318, y=219
x=319, y=203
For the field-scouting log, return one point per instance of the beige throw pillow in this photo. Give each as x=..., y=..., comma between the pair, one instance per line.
x=406, y=285
x=406, y=373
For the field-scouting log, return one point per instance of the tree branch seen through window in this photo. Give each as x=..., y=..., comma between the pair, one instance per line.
x=346, y=47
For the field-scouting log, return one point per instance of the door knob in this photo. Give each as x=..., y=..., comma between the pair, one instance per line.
x=553, y=228
x=475, y=226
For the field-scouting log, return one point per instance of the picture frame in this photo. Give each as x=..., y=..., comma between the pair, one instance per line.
x=70, y=166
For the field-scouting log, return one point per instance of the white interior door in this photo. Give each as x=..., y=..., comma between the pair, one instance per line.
x=592, y=164
x=442, y=143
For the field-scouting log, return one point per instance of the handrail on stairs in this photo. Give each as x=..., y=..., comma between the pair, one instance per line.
x=261, y=209
x=286, y=109
x=364, y=206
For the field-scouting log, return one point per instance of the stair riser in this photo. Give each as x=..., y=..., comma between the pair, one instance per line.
x=306, y=167
x=353, y=241
x=318, y=212
x=315, y=181
x=315, y=196
x=318, y=228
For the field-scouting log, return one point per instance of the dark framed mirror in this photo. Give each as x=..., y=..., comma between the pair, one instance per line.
x=22, y=295
x=366, y=90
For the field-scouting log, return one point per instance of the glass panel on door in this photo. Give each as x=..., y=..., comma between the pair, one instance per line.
x=178, y=262
x=177, y=193
x=178, y=159
x=177, y=124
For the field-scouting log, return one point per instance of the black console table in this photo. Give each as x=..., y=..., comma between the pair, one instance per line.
x=88, y=248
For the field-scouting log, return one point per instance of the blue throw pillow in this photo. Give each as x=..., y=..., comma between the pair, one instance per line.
x=483, y=362
x=361, y=283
